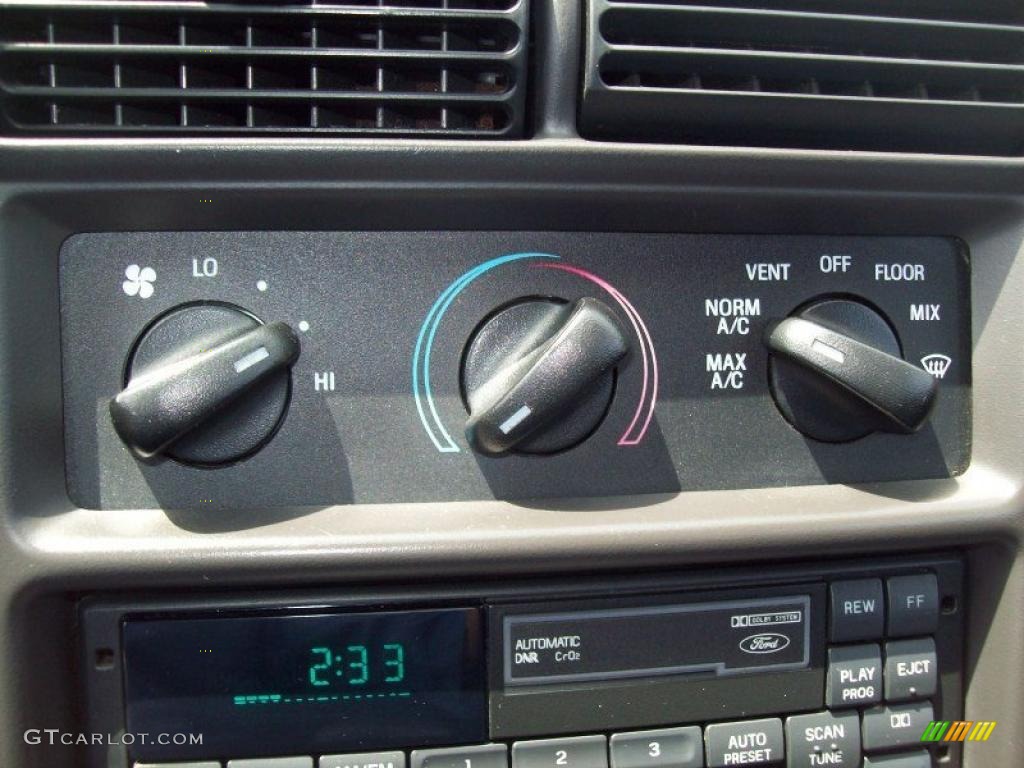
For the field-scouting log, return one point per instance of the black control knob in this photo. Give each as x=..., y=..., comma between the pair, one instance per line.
x=837, y=373
x=538, y=376
x=206, y=384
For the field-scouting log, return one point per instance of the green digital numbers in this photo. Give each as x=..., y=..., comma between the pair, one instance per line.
x=357, y=665
x=362, y=664
x=396, y=662
x=326, y=660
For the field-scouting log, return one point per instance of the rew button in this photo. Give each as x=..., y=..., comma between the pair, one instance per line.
x=856, y=610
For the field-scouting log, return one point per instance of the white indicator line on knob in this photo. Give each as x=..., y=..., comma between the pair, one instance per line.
x=249, y=360
x=515, y=419
x=828, y=351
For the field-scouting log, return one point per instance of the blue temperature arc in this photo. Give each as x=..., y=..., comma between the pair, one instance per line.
x=421, y=390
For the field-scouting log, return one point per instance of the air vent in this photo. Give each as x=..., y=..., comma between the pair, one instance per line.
x=365, y=67
x=950, y=79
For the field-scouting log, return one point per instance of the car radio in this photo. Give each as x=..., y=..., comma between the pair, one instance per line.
x=840, y=664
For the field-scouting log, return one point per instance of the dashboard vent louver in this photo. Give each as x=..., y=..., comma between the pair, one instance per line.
x=362, y=67
x=943, y=76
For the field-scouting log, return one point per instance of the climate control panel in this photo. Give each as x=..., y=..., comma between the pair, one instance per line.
x=236, y=369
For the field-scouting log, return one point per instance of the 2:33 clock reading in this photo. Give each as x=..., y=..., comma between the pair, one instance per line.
x=357, y=665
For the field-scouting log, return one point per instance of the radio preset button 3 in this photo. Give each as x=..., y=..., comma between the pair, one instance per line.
x=752, y=742
x=664, y=748
x=854, y=676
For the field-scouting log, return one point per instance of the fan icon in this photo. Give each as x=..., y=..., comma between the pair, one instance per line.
x=140, y=281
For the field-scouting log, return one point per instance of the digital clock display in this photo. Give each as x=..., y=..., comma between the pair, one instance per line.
x=305, y=684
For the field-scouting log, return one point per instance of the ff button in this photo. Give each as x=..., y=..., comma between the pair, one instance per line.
x=913, y=605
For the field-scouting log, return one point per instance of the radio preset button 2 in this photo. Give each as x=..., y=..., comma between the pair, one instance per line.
x=900, y=725
x=854, y=676
x=664, y=748
x=480, y=756
x=856, y=610
x=823, y=739
x=910, y=669
x=364, y=760
x=913, y=605
x=577, y=752
x=752, y=742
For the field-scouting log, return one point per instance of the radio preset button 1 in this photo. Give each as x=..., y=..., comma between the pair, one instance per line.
x=913, y=605
x=823, y=739
x=910, y=669
x=900, y=725
x=273, y=762
x=577, y=752
x=752, y=742
x=200, y=764
x=364, y=760
x=664, y=748
x=480, y=756
x=856, y=610
x=902, y=760
x=854, y=676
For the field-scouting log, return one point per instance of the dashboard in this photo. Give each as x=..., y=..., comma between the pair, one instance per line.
x=511, y=384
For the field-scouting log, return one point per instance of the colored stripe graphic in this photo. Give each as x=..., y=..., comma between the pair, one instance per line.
x=421, y=390
x=958, y=730
x=649, y=389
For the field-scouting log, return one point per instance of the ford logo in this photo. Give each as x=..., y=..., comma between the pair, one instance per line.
x=766, y=642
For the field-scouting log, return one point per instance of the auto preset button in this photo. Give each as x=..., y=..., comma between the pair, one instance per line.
x=912, y=605
x=576, y=752
x=478, y=756
x=363, y=760
x=823, y=739
x=751, y=742
x=892, y=727
x=663, y=748
x=911, y=669
x=854, y=676
x=856, y=610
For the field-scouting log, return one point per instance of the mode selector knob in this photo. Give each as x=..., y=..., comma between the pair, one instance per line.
x=837, y=373
x=538, y=376
x=206, y=384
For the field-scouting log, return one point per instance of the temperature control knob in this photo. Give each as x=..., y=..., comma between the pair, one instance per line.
x=206, y=384
x=538, y=376
x=837, y=373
